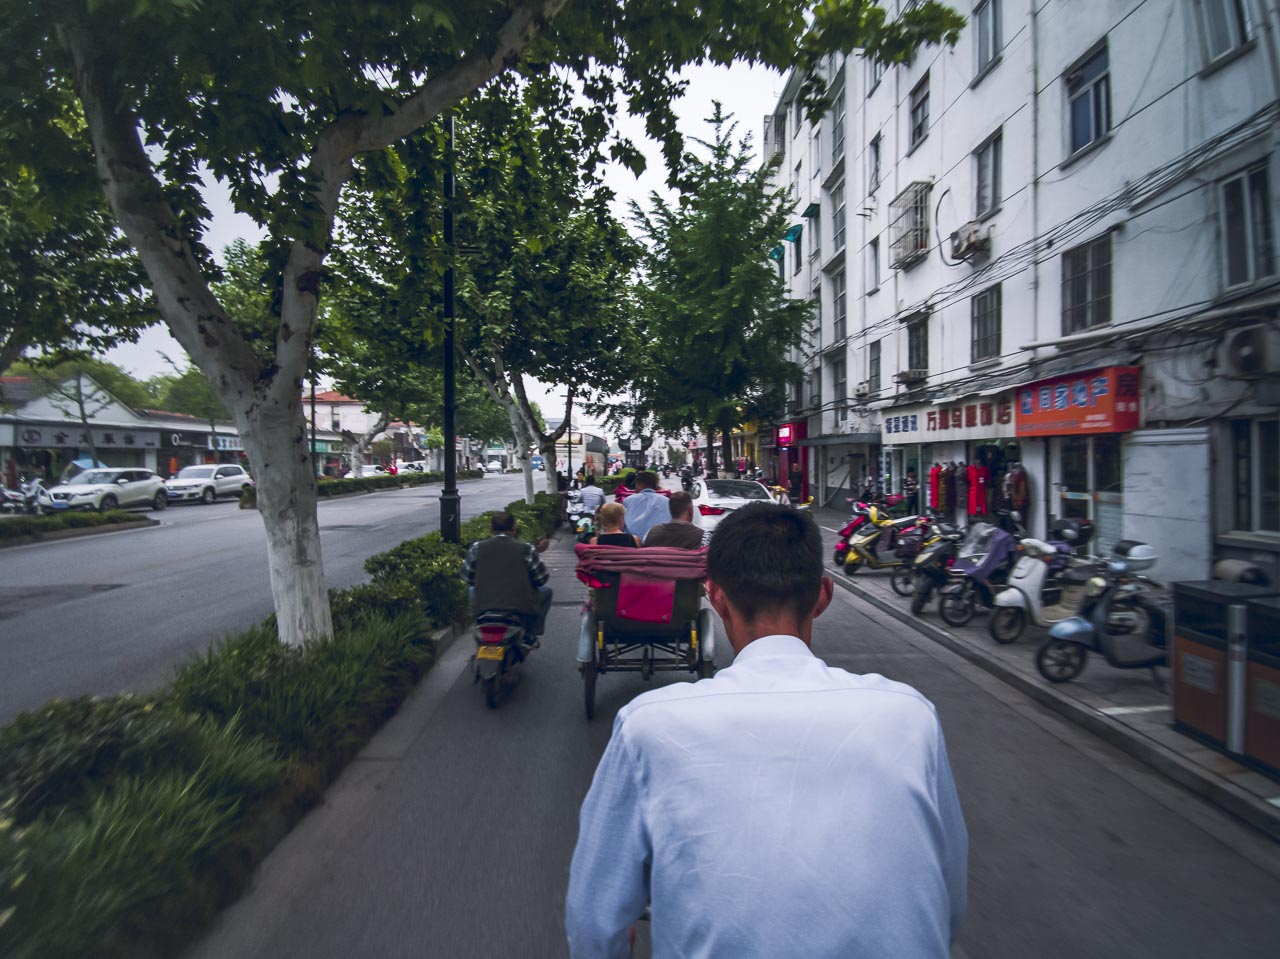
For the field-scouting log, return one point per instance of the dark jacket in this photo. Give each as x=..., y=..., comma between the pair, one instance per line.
x=681, y=535
x=504, y=572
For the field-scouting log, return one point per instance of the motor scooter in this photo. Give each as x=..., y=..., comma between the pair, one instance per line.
x=1121, y=617
x=1045, y=584
x=36, y=499
x=983, y=562
x=858, y=517
x=929, y=569
x=10, y=500
x=874, y=545
x=501, y=648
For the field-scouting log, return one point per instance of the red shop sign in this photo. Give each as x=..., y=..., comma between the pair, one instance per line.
x=786, y=434
x=1098, y=401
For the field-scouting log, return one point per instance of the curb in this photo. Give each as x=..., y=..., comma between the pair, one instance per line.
x=142, y=522
x=1231, y=798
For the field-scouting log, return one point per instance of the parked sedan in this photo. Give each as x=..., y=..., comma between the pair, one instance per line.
x=104, y=489
x=206, y=483
x=714, y=498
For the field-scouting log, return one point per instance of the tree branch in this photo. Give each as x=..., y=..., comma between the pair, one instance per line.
x=184, y=299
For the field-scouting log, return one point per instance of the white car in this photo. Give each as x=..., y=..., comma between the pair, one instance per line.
x=714, y=498
x=104, y=489
x=493, y=466
x=206, y=483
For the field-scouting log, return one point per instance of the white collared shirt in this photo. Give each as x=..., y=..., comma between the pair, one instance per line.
x=783, y=808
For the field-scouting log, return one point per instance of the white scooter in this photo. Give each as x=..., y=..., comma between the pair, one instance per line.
x=1031, y=595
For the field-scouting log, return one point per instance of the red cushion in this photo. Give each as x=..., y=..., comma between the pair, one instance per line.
x=646, y=600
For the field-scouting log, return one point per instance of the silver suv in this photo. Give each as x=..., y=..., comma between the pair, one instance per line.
x=206, y=483
x=103, y=489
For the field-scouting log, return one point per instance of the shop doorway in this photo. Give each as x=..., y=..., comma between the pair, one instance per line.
x=1091, y=485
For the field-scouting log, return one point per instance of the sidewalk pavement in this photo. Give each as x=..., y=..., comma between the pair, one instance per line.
x=1121, y=706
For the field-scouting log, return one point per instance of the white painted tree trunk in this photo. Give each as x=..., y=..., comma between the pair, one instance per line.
x=276, y=443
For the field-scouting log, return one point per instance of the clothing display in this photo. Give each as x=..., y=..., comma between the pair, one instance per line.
x=978, y=477
x=935, y=485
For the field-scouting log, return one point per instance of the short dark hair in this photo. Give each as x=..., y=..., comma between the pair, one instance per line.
x=502, y=522
x=591, y=479
x=681, y=503
x=765, y=556
x=646, y=480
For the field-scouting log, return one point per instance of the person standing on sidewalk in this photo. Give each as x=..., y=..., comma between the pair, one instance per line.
x=781, y=808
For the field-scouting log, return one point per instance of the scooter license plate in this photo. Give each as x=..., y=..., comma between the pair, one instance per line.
x=490, y=652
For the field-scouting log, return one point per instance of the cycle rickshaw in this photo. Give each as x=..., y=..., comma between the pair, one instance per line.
x=647, y=614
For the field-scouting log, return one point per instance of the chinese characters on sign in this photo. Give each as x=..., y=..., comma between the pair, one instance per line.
x=1097, y=401
x=785, y=434
x=945, y=421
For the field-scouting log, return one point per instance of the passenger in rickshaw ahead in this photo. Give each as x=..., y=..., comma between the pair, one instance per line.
x=506, y=575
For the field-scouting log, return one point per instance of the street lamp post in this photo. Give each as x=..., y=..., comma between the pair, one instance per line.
x=450, y=501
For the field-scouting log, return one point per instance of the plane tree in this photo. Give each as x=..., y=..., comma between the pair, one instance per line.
x=279, y=99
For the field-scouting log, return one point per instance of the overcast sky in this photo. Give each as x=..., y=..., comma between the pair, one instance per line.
x=746, y=92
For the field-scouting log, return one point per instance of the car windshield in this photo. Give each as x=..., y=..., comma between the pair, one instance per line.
x=195, y=472
x=735, y=489
x=89, y=477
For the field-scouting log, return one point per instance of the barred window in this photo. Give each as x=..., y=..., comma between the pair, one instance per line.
x=873, y=367
x=909, y=225
x=918, y=344
x=986, y=324
x=1086, y=286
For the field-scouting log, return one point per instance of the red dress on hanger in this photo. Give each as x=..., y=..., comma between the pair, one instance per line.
x=978, y=477
x=935, y=481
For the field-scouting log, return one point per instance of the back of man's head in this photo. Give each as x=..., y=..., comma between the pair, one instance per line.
x=502, y=522
x=646, y=480
x=766, y=557
x=680, y=505
x=591, y=479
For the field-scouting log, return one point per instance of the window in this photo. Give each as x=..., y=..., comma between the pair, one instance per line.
x=920, y=112
x=873, y=165
x=837, y=216
x=918, y=344
x=987, y=163
x=1086, y=286
x=1256, y=448
x=815, y=237
x=1248, y=245
x=873, y=265
x=841, y=307
x=986, y=324
x=1089, y=100
x=1226, y=26
x=837, y=128
x=875, y=70
x=986, y=28
x=795, y=180
x=797, y=106
x=873, y=367
x=815, y=153
x=839, y=376
x=909, y=225
x=815, y=388
x=798, y=249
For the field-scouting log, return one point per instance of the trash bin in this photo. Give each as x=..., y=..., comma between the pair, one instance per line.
x=1262, y=696
x=1202, y=631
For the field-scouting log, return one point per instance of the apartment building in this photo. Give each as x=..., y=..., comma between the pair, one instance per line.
x=1047, y=270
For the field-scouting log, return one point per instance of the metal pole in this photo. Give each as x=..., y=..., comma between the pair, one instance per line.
x=315, y=465
x=450, y=501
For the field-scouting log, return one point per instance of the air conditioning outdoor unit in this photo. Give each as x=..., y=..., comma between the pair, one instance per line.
x=1253, y=351
x=862, y=389
x=970, y=240
x=913, y=376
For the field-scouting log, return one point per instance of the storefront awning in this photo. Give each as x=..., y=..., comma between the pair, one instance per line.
x=843, y=439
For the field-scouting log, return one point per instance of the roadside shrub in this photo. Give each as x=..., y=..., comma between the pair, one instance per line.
x=432, y=568
x=22, y=526
x=610, y=483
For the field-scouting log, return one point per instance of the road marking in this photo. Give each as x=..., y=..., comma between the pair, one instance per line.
x=830, y=530
x=1126, y=710
x=1274, y=800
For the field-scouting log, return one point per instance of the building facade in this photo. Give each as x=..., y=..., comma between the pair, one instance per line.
x=1047, y=272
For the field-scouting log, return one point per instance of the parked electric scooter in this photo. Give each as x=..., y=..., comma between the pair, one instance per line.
x=931, y=565
x=911, y=543
x=10, y=500
x=1121, y=617
x=874, y=545
x=36, y=499
x=1045, y=584
x=982, y=566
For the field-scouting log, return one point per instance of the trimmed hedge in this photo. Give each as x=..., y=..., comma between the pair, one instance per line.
x=367, y=484
x=126, y=823
x=610, y=483
x=20, y=526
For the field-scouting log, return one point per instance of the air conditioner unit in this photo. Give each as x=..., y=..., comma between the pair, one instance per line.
x=970, y=240
x=862, y=389
x=1253, y=351
x=913, y=376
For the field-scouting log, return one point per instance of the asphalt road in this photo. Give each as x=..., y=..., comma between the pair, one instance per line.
x=451, y=836
x=117, y=612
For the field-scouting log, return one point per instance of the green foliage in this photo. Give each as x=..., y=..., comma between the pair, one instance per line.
x=189, y=391
x=610, y=483
x=429, y=567
x=109, y=376
x=19, y=527
x=367, y=484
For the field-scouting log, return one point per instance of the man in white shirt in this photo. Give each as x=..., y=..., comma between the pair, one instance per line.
x=592, y=495
x=646, y=507
x=781, y=809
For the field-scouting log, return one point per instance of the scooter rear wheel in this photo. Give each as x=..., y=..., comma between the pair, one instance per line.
x=1007, y=624
x=492, y=691
x=903, y=580
x=920, y=598
x=1060, y=662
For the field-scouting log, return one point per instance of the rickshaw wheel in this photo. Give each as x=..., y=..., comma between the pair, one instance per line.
x=589, y=674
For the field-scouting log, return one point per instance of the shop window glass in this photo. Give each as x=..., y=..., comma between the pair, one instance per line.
x=1108, y=469
x=1075, y=463
x=1269, y=475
